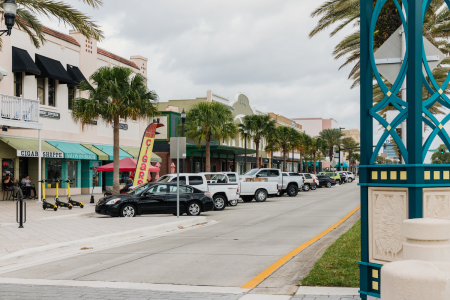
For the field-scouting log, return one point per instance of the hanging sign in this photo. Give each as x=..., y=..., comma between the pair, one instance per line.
x=44, y=154
x=49, y=114
x=145, y=154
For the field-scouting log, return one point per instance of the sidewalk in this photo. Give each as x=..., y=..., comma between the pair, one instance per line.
x=66, y=231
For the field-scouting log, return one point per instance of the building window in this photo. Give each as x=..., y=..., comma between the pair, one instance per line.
x=18, y=84
x=8, y=167
x=53, y=172
x=41, y=90
x=71, y=96
x=51, y=92
x=72, y=172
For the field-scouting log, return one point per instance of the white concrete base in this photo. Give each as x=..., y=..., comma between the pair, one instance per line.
x=131, y=286
x=331, y=291
x=415, y=280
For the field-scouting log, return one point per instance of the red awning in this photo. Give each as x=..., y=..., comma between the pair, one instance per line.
x=125, y=165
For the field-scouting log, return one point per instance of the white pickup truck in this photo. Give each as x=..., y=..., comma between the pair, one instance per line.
x=286, y=184
x=223, y=191
x=257, y=190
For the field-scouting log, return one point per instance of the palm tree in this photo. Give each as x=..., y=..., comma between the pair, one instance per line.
x=333, y=138
x=115, y=94
x=316, y=146
x=258, y=127
x=302, y=147
x=283, y=140
x=209, y=120
x=348, y=143
x=356, y=158
x=28, y=12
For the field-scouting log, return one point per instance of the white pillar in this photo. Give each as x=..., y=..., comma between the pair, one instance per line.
x=39, y=168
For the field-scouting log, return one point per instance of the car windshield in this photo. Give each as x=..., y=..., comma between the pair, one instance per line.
x=252, y=172
x=139, y=189
x=165, y=178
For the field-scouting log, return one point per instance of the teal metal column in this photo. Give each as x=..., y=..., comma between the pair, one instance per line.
x=366, y=123
x=414, y=97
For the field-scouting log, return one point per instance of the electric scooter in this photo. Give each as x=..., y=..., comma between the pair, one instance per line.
x=46, y=204
x=70, y=201
x=60, y=203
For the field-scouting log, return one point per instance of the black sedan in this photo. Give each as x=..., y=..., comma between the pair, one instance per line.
x=325, y=181
x=156, y=198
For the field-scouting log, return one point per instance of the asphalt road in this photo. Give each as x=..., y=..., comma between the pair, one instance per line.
x=248, y=238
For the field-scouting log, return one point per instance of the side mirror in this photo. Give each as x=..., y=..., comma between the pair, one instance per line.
x=257, y=175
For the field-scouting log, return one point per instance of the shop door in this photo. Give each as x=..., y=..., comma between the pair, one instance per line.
x=23, y=168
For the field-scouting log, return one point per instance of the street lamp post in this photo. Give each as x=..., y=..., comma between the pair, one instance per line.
x=9, y=11
x=339, y=163
x=183, y=120
x=245, y=150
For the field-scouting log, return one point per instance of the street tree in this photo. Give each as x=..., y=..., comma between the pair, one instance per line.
x=259, y=127
x=349, y=144
x=115, y=93
x=207, y=121
x=283, y=141
x=29, y=12
x=333, y=138
x=317, y=146
x=441, y=156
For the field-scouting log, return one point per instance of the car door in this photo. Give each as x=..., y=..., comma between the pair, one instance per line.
x=171, y=200
x=153, y=201
x=263, y=174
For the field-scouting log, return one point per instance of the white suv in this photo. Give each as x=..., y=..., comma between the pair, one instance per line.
x=351, y=176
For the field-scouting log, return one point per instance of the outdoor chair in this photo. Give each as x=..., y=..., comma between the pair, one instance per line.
x=8, y=194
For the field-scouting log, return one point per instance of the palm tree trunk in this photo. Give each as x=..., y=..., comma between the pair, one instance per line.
x=257, y=154
x=315, y=164
x=301, y=163
x=116, y=186
x=331, y=154
x=208, y=155
x=284, y=160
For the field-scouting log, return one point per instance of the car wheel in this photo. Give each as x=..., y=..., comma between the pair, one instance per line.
x=261, y=195
x=128, y=211
x=194, y=209
x=350, y=180
x=292, y=190
x=314, y=187
x=247, y=198
x=338, y=182
x=219, y=202
x=233, y=202
x=328, y=184
x=306, y=188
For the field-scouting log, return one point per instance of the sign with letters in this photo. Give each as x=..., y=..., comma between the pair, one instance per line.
x=80, y=156
x=44, y=154
x=49, y=114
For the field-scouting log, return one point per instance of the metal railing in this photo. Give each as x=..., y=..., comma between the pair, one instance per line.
x=20, y=109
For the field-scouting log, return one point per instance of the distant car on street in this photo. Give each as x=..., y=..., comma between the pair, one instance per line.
x=311, y=181
x=344, y=176
x=333, y=175
x=326, y=181
x=156, y=198
x=351, y=176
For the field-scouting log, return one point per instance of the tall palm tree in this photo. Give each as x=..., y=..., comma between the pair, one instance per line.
x=333, y=138
x=28, y=12
x=259, y=127
x=303, y=148
x=349, y=142
x=283, y=140
x=317, y=146
x=296, y=142
x=113, y=95
x=209, y=120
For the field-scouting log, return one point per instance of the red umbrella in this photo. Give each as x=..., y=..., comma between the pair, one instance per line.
x=125, y=165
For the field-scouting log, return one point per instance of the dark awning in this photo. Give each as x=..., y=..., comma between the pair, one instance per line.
x=75, y=74
x=51, y=68
x=22, y=62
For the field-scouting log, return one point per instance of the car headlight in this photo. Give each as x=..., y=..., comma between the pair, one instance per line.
x=112, y=201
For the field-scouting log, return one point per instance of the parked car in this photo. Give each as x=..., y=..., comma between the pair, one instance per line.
x=333, y=175
x=222, y=192
x=156, y=198
x=325, y=181
x=286, y=184
x=351, y=176
x=311, y=181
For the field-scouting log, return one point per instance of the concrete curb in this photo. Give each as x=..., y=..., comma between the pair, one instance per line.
x=329, y=291
x=73, y=248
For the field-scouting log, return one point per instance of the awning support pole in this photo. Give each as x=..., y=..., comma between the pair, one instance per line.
x=39, y=167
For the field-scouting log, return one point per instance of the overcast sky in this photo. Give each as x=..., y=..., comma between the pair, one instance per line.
x=260, y=48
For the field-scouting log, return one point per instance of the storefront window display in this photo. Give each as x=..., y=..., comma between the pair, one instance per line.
x=95, y=175
x=53, y=172
x=7, y=167
x=72, y=172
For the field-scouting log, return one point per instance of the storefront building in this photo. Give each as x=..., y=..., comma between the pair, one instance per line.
x=35, y=103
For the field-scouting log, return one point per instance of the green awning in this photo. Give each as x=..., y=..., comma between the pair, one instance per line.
x=101, y=155
x=28, y=145
x=220, y=149
x=74, y=151
x=110, y=152
x=135, y=153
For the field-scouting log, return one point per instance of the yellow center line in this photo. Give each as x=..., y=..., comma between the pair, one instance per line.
x=267, y=272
